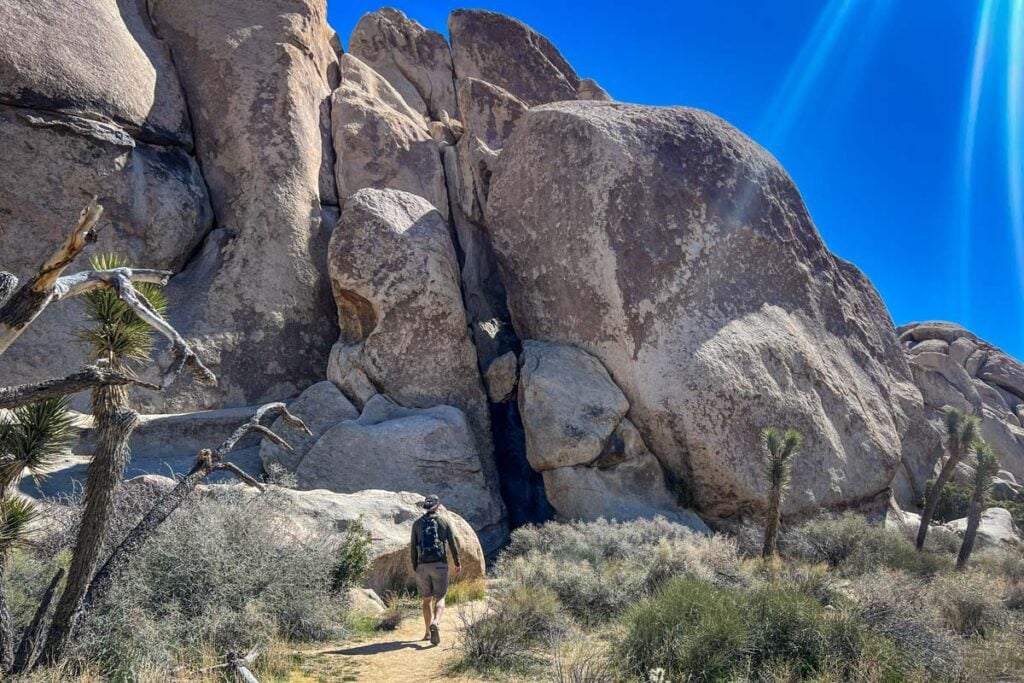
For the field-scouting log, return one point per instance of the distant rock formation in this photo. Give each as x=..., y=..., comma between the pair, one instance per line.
x=955, y=368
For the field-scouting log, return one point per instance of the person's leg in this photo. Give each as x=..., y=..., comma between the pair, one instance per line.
x=427, y=614
x=426, y=590
x=438, y=609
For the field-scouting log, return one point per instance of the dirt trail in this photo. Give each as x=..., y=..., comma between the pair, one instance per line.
x=395, y=657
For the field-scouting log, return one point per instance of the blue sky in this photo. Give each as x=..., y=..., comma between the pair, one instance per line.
x=867, y=103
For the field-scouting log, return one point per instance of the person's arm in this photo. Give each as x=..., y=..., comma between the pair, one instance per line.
x=413, y=544
x=454, y=545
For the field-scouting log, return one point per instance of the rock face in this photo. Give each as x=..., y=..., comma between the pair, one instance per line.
x=954, y=368
x=403, y=329
x=680, y=255
x=320, y=407
x=430, y=450
x=257, y=77
x=498, y=49
x=380, y=141
x=594, y=462
x=640, y=289
x=414, y=60
x=98, y=59
x=156, y=210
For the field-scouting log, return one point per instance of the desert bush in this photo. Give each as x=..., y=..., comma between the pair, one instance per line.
x=697, y=631
x=514, y=632
x=898, y=607
x=581, y=660
x=390, y=619
x=353, y=558
x=599, y=569
x=221, y=574
x=852, y=546
x=970, y=602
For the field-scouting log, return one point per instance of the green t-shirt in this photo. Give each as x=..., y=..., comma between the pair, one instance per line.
x=444, y=533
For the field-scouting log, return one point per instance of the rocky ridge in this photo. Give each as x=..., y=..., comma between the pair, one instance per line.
x=467, y=267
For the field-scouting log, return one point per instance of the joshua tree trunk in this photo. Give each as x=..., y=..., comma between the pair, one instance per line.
x=114, y=424
x=771, y=531
x=971, y=532
x=932, y=498
x=29, y=645
x=6, y=623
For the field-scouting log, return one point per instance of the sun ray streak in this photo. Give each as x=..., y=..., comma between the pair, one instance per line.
x=982, y=50
x=813, y=56
x=1015, y=133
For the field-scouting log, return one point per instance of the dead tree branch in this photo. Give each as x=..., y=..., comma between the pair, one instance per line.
x=207, y=462
x=89, y=377
x=22, y=307
x=29, y=300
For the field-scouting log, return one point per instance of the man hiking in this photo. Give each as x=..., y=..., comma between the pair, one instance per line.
x=430, y=534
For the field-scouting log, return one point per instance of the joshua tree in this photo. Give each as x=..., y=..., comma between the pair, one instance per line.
x=961, y=432
x=30, y=438
x=120, y=339
x=779, y=449
x=986, y=467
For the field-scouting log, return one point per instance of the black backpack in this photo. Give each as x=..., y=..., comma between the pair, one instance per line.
x=431, y=547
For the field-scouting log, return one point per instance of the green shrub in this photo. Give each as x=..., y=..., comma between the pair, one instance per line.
x=697, y=631
x=853, y=546
x=520, y=625
x=353, y=558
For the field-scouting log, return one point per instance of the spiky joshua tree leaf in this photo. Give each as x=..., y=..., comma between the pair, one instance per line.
x=118, y=336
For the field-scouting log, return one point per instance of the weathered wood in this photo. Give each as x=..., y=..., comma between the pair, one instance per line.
x=20, y=309
x=28, y=649
x=29, y=300
x=89, y=377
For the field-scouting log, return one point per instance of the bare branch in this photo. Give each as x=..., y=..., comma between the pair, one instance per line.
x=22, y=307
x=269, y=409
x=184, y=356
x=29, y=300
x=88, y=280
x=29, y=646
x=89, y=377
x=238, y=472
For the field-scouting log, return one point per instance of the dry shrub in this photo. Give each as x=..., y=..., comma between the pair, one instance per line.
x=898, y=607
x=582, y=661
x=466, y=591
x=222, y=575
x=970, y=602
x=852, y=546
x=513, y=633
x=598, y=569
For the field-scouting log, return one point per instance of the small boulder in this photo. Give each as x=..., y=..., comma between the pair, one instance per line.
x=502, y=377
x=320, y=407
x=407, y=449
x=996, y=530
x=380, y=141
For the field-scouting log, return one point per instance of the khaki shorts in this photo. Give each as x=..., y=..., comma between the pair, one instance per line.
x=432, y=579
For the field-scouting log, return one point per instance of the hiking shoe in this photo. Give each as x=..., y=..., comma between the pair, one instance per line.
x=435, y=635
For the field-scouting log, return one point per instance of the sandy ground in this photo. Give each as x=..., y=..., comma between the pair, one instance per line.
x=392, y=657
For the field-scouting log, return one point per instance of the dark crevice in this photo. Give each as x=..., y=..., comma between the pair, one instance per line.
x=521, y=488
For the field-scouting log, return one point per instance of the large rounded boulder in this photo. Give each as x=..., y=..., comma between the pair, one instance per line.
x=680, y=254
